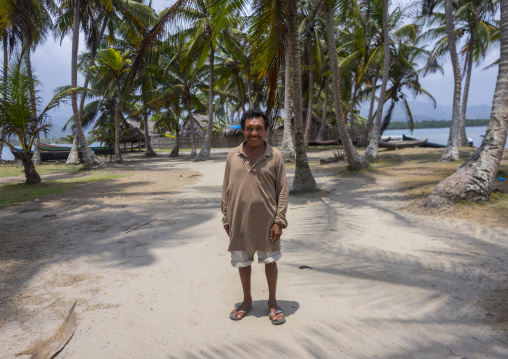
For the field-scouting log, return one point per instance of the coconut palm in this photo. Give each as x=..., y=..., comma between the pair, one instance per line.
x=355, y=160
x=75, y=15
x=111, y=72
x=371, y=153
x=17, y=117
x=473, y=180
x=474, y=21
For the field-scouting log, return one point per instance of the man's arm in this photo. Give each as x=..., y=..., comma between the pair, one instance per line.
x=281, y=190
x=225, y=198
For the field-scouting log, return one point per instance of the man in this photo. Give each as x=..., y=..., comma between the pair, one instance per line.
x=254, y=204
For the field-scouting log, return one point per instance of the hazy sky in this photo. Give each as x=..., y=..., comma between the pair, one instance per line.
x=52, y=64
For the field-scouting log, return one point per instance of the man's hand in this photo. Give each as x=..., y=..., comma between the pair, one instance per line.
x=275, y=232
x=226, y=227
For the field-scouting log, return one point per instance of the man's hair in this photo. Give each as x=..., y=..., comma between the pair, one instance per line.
x=255, y=113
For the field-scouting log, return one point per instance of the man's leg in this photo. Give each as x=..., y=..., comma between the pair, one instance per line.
x=245, y=274
x=271, y=277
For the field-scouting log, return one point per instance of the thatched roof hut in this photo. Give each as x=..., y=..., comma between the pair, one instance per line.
x=135, y=133
x=200, y=124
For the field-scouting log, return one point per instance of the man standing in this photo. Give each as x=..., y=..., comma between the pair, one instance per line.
x=254, y=204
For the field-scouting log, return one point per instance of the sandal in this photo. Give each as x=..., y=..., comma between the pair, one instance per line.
x=239, y=310
x=282, y=320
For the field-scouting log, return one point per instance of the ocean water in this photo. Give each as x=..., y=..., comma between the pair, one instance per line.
x=440, y=135
x=436, y=135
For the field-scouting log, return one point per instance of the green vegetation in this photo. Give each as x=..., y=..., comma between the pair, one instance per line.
x=400, y=125
x=16, y=170
x=17, y=193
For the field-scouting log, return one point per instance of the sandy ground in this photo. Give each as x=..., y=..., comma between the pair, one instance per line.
x=359, y=278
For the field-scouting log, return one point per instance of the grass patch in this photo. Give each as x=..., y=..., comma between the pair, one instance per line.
x=17, y=193
x=17, y=170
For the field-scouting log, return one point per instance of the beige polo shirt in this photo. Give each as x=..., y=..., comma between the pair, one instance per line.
x=254, y=197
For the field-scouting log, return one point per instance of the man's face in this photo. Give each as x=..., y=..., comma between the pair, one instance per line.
x=254, y=131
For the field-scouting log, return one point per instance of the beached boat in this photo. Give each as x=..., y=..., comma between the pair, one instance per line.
x=402, y=144
x=61, y=153
x=52, y=155
x=426, y=144
x=96, y=149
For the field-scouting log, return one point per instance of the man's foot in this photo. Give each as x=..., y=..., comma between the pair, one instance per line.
x=276, y=315
x=240, y=311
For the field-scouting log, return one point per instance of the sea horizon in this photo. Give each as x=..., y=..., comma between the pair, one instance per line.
x=435, y=135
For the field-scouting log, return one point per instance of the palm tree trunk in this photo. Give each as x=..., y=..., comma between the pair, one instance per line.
x=364, y=140
x=36, y=158
x=308, y=127
x=193, y=131
x=74, y=154
x=352, y=103
x=473, y=180
x=303, y=180
x=118, y=154
x=149, y=152
x=91, y=161
x=462, y=129
x=6, y=63
x=321, y=132
x=287, y=149
x=31, y=175
x=371, y=153
x=354, y=159
x=176, y=149
x=204, y=154
x=73, y=158
x=451, y=152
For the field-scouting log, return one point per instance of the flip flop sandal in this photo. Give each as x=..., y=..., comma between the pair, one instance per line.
x=277, y=321
x=239, y=310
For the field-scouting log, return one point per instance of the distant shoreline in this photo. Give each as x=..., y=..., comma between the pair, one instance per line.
x=401, y=125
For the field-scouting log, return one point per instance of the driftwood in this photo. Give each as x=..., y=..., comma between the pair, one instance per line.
x=141, y=225
x=323, y=143
x=51, y=346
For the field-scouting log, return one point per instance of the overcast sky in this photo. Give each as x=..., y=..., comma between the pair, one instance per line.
x=52, y=63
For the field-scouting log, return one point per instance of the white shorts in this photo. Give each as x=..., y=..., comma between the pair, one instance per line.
x=240, y=259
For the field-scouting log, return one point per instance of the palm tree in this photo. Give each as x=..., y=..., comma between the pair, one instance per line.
x=17, y=117
x=371, y=153
x=355, y=160
x=111, y=70
x=286, y=148
x=451, y=152
x=474, y=21
x=83, y=12
x=473, y=180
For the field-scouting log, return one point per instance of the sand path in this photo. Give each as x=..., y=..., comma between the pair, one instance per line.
x=359, y=278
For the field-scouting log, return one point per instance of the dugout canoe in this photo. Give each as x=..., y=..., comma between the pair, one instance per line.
x=427, y=144
x=402, y=144
x=96, y=149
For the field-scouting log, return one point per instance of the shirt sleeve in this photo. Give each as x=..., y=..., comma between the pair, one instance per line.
x=281, y=188
x=225, y=194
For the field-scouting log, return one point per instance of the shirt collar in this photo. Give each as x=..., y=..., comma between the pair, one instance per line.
x=267, y=153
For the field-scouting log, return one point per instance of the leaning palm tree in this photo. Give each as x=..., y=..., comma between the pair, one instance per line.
x=81, y=15
x=17, y=118
x=355, y=160
x=475, y=23
x=473, y=180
